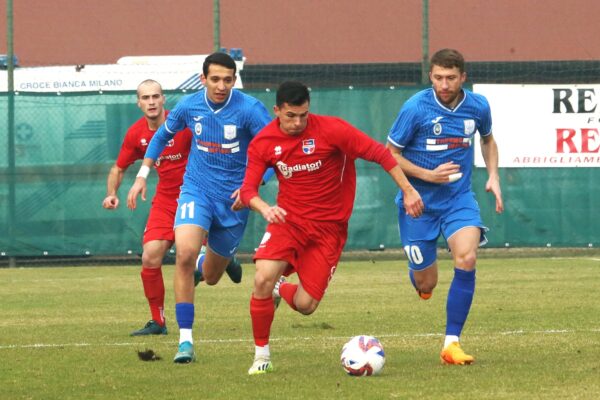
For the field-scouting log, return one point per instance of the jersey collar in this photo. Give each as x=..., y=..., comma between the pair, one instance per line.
x=448, y=108
x=215, y=108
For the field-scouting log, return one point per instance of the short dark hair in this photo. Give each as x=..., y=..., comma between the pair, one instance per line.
x=448, y=58
x=219, y=58
x=293, y=93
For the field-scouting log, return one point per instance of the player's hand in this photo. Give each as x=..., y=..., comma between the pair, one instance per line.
x=274, y=214
x=138, y=187
x=237, y=204
x=493, y=185
x=441, y=174
x=413, y=204
x=110, y=202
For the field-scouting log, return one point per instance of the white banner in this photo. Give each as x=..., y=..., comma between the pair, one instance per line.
x=172, y=72
x=544, y=125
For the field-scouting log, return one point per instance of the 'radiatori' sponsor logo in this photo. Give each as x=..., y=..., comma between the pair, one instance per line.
x=170, y=157
x=287, y=171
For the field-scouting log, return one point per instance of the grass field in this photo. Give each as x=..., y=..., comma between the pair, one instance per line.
x=534, y=329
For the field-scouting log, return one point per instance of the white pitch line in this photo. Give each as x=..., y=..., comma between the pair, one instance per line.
x=249, y=340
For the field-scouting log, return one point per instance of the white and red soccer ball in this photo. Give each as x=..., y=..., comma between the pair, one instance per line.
x=363, y=356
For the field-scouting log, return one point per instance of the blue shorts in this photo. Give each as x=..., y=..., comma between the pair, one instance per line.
x=419, y=235
x=225, y=227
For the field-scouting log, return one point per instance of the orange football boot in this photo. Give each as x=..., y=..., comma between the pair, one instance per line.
x=453, y=354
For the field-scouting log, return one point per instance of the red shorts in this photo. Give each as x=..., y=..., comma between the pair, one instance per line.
x=312, y=250
x=160, y=220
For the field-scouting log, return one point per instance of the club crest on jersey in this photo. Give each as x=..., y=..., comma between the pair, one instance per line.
x=437, y=129
x=144, y=142
x=171, y=143
x=230, y=131
x=277, y=150
x=198, y=128
x=308, y=146
x=469, y=126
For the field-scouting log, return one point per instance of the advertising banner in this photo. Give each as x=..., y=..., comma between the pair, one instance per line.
x=544, y=125
x=172, y=72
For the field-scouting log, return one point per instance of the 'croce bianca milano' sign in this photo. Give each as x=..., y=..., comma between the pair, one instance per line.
x=173, y=72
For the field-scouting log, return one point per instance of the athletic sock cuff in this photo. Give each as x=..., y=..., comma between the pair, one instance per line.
x=464, y=275
x=261, y=306
x=151, y=271
x=184, y=312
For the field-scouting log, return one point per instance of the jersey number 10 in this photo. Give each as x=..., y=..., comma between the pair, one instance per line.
x=413, y=253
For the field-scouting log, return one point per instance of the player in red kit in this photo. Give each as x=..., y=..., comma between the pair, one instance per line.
x=158, y=234
x=170, y=166
x=313, y=157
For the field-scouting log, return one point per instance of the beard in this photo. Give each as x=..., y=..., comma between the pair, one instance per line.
x=448, y=97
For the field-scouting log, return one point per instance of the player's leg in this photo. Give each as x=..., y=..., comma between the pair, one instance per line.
x=193, y=215
x=188, y=239
x=233, y=269
x=315, y=265
x=419, y=238
x=198, y=273
x=463, y=245
x=224, y=237
x=302, y=300
x=276, y=251
x=464, y=231
x=158, y=238
x=213, y=266
x=154, y=287
x=262, y=312
x=424, y=280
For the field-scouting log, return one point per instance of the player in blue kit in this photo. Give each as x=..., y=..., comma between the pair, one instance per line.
x=223, y=122
x=432, y=140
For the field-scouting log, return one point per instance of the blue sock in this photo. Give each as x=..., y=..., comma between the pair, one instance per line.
x=200, y=262
x=411, y=275
x=184, y=312
x=460, y=297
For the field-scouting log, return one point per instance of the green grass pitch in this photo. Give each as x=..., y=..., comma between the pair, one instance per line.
x=534, y=329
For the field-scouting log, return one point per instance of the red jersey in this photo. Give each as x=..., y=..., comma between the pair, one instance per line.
x=170, y=166
x=315, y=170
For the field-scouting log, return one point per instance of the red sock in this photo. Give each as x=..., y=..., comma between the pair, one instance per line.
x=287, y=291
x=154, y=289
x=262, y=312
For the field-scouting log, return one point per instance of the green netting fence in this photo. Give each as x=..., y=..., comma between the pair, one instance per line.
x=406, y=74
x=65, y=145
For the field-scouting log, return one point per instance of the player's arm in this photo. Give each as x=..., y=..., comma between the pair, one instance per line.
x=272, y=214
x=139, y=186
x=257, y=118
x=413, y=204
x=113, y=182
x=172, y=125
x=237, y=202
x=260, y=119
x=155, y=147
x=441, y=174
x=249, y=195
x=358, y=144
x=489, y=151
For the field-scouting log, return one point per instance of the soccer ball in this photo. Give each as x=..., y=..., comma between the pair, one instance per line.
x=363, y=355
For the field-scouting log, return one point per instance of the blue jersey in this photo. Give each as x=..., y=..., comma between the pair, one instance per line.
x=430, y=134
x=217, y=160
